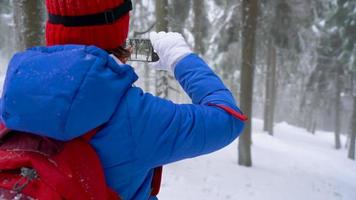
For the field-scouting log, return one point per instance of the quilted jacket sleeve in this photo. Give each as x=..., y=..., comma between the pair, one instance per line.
x=164, y=132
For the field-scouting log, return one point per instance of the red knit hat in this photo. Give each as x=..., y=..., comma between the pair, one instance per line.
x=104, y=23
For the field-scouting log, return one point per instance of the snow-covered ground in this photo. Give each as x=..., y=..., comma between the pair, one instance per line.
x=292, y=165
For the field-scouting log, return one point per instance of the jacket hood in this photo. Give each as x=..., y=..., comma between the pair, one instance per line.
x=63, y=91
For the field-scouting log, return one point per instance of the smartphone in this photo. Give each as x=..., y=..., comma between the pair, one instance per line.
x=142, y=50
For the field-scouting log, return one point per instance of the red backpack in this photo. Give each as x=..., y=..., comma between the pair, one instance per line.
x=35, y=167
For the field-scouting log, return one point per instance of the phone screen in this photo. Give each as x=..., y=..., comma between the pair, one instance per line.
x=142, y=50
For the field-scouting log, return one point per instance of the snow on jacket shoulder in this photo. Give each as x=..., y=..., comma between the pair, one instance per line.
x=64, y=91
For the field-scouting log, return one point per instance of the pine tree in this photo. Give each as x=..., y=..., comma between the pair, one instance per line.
x=281, y=35
x=339, y=50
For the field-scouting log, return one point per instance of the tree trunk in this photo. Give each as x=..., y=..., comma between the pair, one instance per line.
x=267, y=93
x=198, y=28
x=270, y=89
x=353, y=133
x=161, y=15
x=233, y=85
x=178, y=14
x=162, y=77
x=313, y=130
x=7, y=44
x=141, y=11
x=351, y=153
x=273, y=86
x=249, y=14
x=302, y=104
x=29, y=23
x=147, y=77
x=313, y=113
x=337, y=108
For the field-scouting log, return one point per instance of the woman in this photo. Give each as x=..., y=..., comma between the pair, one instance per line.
x=64, y=91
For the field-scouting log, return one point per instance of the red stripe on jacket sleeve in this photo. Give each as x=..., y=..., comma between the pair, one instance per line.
x=231, y=111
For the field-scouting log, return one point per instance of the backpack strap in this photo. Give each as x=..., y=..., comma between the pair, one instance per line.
x=157, y=174
x=3, y=130
x=156, y=181
x=86, y=137
x=10, y=194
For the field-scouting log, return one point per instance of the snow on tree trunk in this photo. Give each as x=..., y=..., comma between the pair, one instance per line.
x=249, y=13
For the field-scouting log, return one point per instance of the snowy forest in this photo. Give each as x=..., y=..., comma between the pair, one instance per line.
x=291, y=65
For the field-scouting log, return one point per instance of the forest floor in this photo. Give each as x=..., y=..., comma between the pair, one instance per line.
x=292, y=165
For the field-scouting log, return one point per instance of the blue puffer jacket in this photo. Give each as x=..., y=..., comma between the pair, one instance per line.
x=63, y=92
